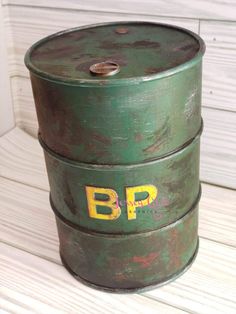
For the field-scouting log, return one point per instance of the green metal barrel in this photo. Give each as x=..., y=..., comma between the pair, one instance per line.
x=119, y=112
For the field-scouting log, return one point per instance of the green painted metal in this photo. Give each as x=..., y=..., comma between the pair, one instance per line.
x=119, y=112
x=130, y=263
x=175, y=176
x=150, y=108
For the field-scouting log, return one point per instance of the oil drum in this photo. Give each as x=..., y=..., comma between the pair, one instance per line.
x=119, y=113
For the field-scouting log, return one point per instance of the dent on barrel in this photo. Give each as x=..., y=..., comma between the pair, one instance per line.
x=130, y=265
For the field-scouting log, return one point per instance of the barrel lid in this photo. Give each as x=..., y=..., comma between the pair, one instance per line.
x=114, y=53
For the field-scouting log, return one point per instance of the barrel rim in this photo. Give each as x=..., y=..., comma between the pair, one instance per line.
x=144, y=288
x=117, y=167
x=114, y=82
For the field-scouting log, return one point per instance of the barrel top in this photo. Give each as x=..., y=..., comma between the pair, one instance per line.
x=114, y=53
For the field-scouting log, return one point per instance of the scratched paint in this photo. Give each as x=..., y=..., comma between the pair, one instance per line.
x=175, y=182
x=121, y=264
x=122, y=149
x=147, y=107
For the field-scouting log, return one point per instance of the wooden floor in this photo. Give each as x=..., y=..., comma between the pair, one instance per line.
x=33, y=280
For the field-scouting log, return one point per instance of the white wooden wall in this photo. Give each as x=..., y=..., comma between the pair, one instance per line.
x=26, y=21
x=6, y=109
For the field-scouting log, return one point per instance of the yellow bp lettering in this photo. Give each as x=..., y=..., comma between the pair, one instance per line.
x=111, y=203
x=130, y=196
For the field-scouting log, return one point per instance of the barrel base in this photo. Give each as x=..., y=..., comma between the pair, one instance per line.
x=132, y=290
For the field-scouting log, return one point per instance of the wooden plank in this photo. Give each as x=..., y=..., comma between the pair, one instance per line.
x=219, y=71
x=217, y=219
x=27, y=25
x=21, y=159
x=204, y=9
x=6, y=108
x=218, y=147
x=30, y=284
x=27, y=220
x=24, y=109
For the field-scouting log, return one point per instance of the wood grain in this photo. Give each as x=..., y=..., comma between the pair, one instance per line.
x=217, y=219
x=6, y=108
x=27, y=221
x=48, y=288
x=204, y=9
x=25, y=113
x=219, y=67
x=218, y=148
x=21, y=159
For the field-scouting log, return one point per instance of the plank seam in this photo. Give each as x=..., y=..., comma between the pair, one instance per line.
x=218, y=185
x=218, y=242
x=20, y=182
x=115, y=12
x=161, y=301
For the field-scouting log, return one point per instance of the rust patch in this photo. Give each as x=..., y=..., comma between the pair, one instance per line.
x=182, y=163
x=59, y=128
x=146, y=44
x=173, y=186
x=157, y=216
x=121, y=30
x=138, y=137
x=145, y=261
x=159, y=138
x=120, y=277
x=188, y=47
x=101, y=138
x=153, y=70
x=54, y=52
x=83, y=55
x=136, y=44
x=57, y=69
x=175, y=251
x=142, y=261
x=165, y=201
